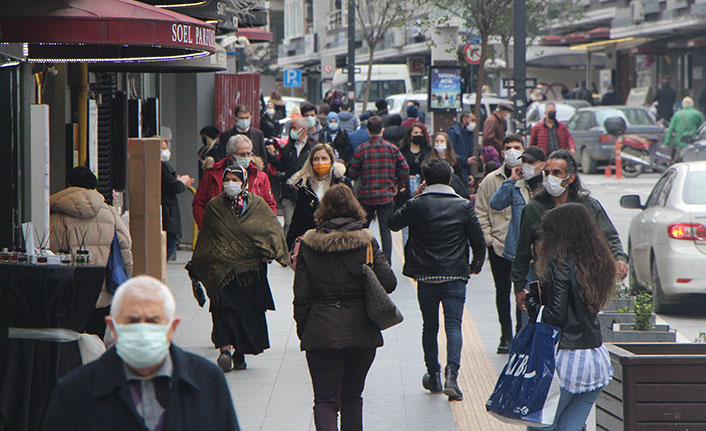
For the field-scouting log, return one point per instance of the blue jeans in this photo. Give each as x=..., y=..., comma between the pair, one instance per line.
x=572, y=412
x=452, y=295
x=383, y=212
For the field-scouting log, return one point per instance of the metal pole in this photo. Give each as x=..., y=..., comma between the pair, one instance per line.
x=520, y=72
x=351, y=54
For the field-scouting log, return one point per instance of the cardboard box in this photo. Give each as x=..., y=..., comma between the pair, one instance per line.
x=144, y=198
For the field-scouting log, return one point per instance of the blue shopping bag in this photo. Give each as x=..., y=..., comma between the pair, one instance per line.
x=115, y=268
x=527, y=391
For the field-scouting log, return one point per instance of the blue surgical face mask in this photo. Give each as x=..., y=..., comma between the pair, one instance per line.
x=243, y=124
x=242, y=161
x=310, y=122
x=333, y=126
x=142, y=345
x=295, y=134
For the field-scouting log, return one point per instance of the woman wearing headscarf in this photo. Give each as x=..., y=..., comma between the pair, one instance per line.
x=239, y=235
x=319, y=173
x=337, y=137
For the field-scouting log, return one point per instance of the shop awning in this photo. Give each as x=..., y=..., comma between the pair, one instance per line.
x=255, y=34
x=60, y=31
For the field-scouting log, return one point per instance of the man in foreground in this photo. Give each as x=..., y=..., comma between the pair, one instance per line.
x=145, y=382
x=442, y=225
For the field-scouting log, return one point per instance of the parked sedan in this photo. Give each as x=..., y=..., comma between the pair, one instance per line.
x=594, y=146
x=667, y=240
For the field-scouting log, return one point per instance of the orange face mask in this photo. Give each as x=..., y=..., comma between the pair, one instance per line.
x=322, y=168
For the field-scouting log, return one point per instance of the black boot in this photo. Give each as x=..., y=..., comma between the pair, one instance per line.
x=504, y=346
x=224, y=360
x=239, y=361
x=451, y=388
x=432, y=382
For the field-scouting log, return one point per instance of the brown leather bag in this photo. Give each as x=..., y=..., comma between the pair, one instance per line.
x=378, y=304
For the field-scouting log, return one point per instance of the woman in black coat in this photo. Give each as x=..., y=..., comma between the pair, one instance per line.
x=172, y=185
x=329, y=308
x=319, y=173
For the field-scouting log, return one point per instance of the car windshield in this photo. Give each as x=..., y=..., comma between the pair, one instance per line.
x=694, y=190
x=378, y=90
x=633, y=117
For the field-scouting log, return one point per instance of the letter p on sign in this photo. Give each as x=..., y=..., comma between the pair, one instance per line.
x=292, y=77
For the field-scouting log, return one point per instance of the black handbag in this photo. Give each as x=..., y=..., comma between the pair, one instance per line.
x=378, y=305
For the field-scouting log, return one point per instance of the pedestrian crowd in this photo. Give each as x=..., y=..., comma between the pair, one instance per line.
x=329, y=173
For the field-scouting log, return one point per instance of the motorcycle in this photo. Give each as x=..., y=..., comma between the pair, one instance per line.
x=637, y=153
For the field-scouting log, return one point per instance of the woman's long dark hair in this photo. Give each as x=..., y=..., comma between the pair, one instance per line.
x=576, y=189
x=407, y=140
x=339, y=201
x=570, y=233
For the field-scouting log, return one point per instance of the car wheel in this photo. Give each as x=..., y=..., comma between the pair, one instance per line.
x=635, y=286
x=630, y=169
x=658, y=297
x=588, y=165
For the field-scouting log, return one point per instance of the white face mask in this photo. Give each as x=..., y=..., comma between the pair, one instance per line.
x=528, y=171
x=232, y=188
x=553, y=185
x=471, y=127
x=243, y=124
x=270, y=112
x=512, y=157
x=294, y=134
x=310, y=122
x=165, y=155
x=440, y=148
x=333, y=126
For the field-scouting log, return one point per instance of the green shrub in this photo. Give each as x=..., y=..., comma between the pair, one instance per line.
x=643, y=312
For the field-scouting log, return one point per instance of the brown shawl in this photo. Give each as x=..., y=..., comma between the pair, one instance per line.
x=231, y=247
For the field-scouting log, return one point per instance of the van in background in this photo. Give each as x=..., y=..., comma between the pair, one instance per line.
x=385, y=80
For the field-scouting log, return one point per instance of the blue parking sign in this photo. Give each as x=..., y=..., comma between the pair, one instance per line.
x=292, y=77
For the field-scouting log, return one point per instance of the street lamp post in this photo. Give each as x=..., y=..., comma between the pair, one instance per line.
x=519, y=57
x=351, y=54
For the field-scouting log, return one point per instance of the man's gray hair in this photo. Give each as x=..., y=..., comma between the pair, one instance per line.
x=300, y=122
x=144, y=287
x=233, y=141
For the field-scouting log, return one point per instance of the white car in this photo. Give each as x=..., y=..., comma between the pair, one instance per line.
x=667, y=242
x=535, y=112
x=395, y=103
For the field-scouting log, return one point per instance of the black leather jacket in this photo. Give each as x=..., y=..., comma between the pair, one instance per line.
x=564, y=308
x=441, y=227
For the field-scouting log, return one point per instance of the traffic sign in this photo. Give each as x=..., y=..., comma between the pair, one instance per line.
x=472, y=53
x=292, y=77
x=328, y=66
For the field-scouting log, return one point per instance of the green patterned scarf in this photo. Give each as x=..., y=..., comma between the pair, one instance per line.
x=231, y=247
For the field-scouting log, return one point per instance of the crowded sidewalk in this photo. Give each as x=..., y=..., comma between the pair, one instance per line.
x=275, y=392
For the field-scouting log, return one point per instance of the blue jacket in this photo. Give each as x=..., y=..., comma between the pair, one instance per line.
x=515, y=194
x=359, y=137
x=462, y=143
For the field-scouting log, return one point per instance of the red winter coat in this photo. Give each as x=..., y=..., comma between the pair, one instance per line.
x=539, y=136
x=211, y=185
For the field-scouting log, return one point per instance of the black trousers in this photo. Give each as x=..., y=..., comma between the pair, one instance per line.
x=338, y=378
x=501, y=268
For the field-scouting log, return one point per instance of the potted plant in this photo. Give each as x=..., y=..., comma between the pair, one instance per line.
x=643, y=328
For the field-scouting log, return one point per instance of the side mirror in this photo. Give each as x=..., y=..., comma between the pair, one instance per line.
x=631, y=202
x=687, y=139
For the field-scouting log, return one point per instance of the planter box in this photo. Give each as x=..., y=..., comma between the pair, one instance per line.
x=615, y=304
x=608, y=318
x=624, y=333
x=655, y=387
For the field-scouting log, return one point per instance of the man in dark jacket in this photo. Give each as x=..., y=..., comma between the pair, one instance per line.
x=610, y=97
x=562, y=185
x=442, y=225
x=243, y=119
x=293, y=157
x=383, y=112
x=461, y=136
x=665, y=98
x=360, y=136
x=494, y=127
x=146, y=382
x=172, y=185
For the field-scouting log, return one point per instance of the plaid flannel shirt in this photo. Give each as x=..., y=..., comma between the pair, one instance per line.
x=378, y=165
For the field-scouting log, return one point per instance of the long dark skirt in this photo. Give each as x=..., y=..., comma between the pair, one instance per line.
x=239, y=317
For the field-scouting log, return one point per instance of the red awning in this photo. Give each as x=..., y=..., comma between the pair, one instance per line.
x=255, y=34
x=102, y=30
x=599, y=33
x=553, y=40
x=576, y=37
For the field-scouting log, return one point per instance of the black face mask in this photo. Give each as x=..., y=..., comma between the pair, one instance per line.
x=551, y=115
x=419, y=140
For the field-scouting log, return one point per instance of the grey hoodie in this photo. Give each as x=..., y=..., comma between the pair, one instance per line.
x=348, y=121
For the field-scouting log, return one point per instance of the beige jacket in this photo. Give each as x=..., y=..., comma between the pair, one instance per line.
x=495, y=224
x=78, y=210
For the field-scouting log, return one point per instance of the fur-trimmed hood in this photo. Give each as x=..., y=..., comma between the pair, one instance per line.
x=337, y=240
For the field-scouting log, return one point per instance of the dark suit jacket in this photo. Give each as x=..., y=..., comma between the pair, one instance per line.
x=96, y=397
x=255, y=135
x=171, y=186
